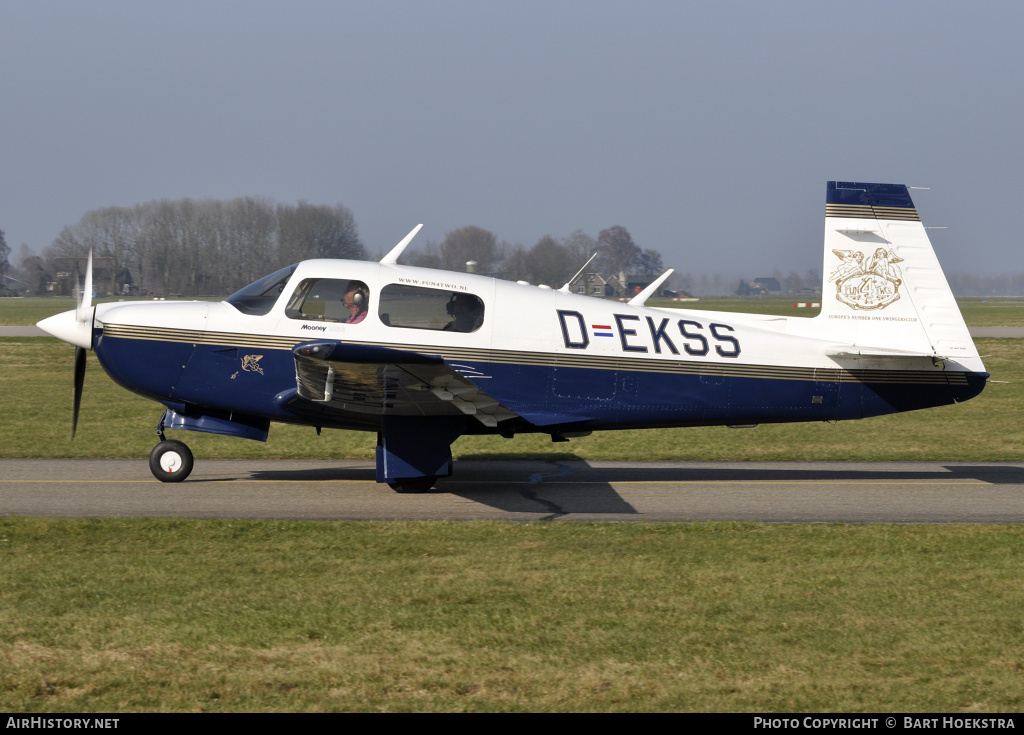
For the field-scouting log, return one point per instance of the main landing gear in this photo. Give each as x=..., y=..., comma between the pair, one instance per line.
x=170, y=460
x=414, y=451
x=417, y=485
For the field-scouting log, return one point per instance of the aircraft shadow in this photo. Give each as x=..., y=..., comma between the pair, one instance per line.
x=510, y=485
x=530, y=486
x=576, y=487
x=572, y=486
x=995, y=474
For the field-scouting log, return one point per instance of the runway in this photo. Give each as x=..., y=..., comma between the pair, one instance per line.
x=777, y=492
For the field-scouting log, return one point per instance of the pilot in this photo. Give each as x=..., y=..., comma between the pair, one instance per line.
x=468, y=313
x=356, y=299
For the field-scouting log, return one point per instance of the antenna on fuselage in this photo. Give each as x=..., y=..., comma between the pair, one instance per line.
x=392, y=257
x=641, y=298
x=565, y=288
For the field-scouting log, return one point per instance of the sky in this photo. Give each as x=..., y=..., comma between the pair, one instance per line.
x=708, y=130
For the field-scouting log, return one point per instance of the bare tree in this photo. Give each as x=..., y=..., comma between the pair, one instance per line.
x=580, y=247
x=466, y=244
x=516, y=265
x=250, y=240
x=648, y=262
x=550, y=262
x=617, y=253
x=317, y=231
x=428, y=257
x=205, y=246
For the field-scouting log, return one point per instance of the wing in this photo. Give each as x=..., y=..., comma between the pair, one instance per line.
x=353, y=380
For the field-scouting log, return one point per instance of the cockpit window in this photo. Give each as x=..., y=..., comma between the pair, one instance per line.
x=257, y=299
x=329, y=299
x=415, y=307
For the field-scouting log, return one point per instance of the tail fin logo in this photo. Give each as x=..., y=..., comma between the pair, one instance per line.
x=867, y=282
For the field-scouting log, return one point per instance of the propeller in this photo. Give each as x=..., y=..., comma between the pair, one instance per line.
x=83, y=315
x=76, y=327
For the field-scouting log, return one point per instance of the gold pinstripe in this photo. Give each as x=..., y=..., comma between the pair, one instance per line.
x=199, y=337
x=562, y=360
x=866, y=211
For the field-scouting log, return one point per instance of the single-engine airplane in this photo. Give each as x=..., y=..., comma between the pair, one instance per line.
x=423, y=356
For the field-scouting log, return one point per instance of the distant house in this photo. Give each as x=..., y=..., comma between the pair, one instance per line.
x=107, y=278
x=769, y=285
x=593, y=284
x=637, y=282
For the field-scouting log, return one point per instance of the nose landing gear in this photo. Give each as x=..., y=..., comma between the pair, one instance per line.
x=170, y=460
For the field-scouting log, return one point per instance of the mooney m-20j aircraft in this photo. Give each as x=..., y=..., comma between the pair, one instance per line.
x=423, y=356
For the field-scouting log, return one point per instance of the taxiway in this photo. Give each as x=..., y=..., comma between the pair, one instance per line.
x=782, y=492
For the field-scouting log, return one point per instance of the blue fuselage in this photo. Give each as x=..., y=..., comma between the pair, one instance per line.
x=258, y=380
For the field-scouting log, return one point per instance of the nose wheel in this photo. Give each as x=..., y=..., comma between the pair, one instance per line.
x=170, y=461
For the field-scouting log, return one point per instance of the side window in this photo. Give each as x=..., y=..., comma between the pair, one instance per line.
x=414, y=307
x=330, y=300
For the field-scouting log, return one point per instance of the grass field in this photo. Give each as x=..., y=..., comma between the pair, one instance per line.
x=161, y=615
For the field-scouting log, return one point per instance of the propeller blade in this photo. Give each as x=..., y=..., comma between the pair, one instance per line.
x=79, y=381
x=85, y=307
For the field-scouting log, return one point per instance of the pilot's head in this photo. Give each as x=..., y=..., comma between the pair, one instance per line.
x=462, y=304
x=356, y=297
x=467, y=311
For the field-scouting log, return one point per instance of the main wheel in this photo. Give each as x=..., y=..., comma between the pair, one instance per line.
x=417, y=485
x=170, y=461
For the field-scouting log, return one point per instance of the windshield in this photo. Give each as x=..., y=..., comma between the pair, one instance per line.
x=259, y=298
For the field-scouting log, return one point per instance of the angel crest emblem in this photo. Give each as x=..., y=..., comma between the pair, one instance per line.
x=867, y=281
x=251, y=363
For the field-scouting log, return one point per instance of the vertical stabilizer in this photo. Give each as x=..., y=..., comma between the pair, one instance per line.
x=882, y=285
